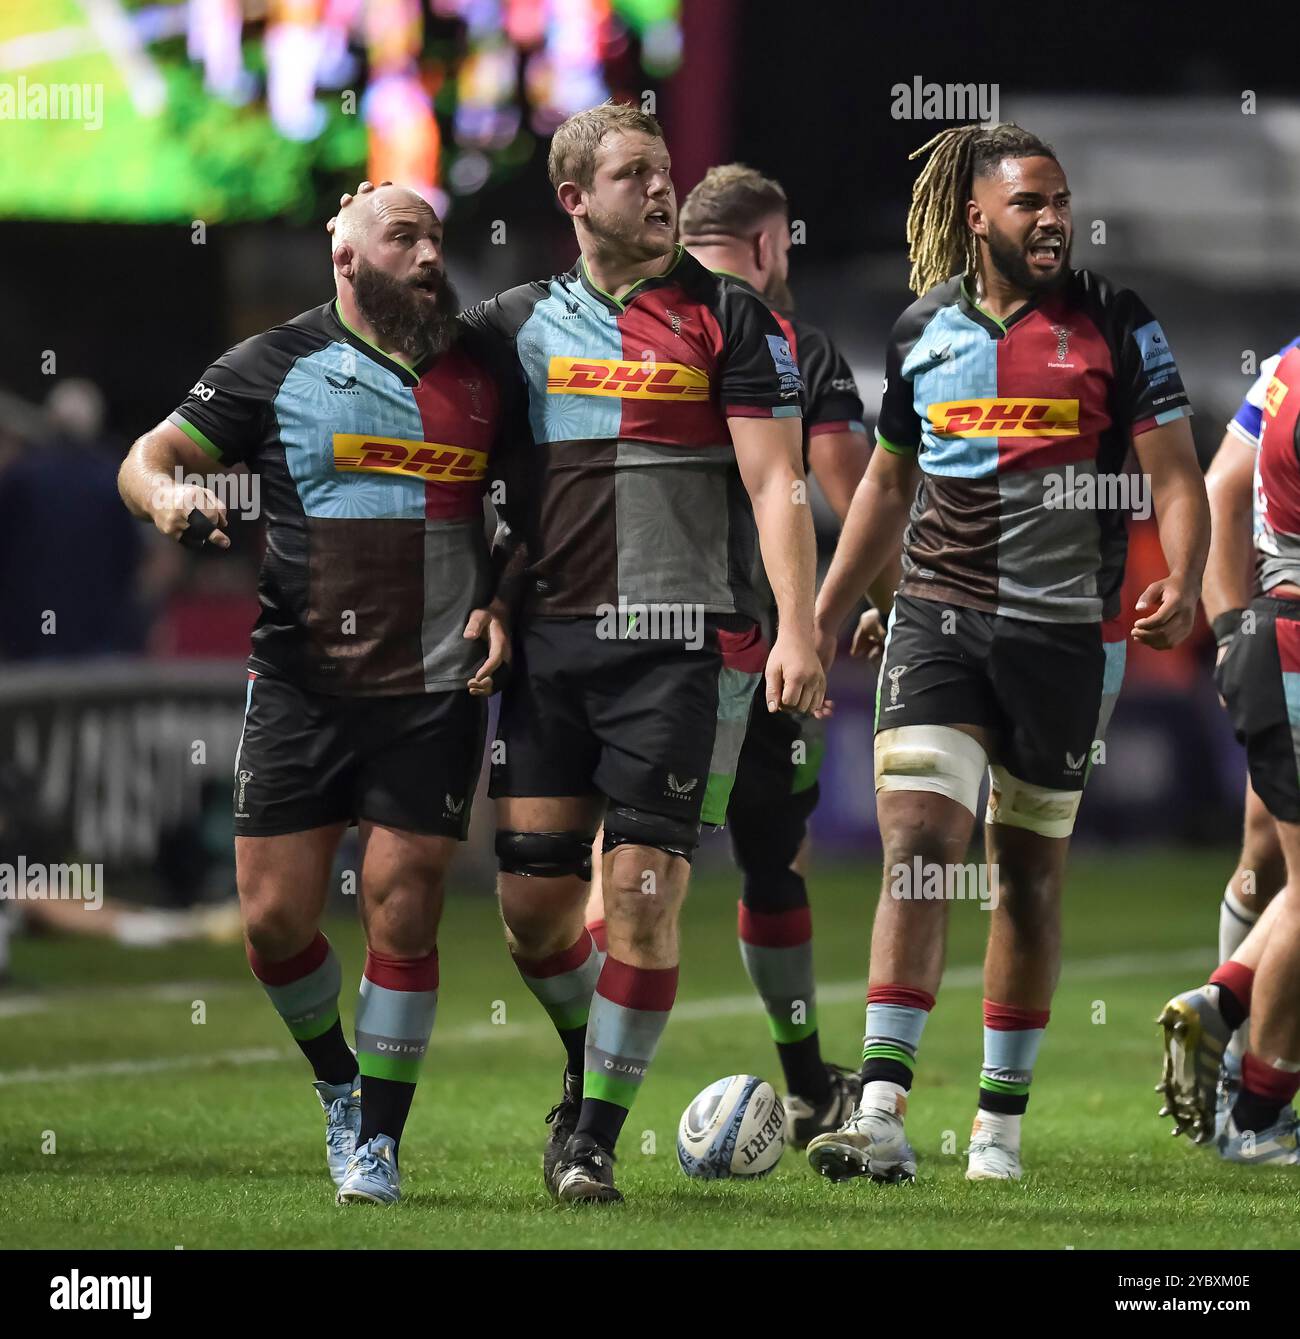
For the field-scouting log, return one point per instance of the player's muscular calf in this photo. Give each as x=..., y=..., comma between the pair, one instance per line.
x=1024, y=951
x=644, y=890
x=909, y=937
x=402, y=879
x=283, y=883
x=1261, y=871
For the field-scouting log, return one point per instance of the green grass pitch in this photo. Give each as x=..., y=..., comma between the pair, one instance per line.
x=169, y=1132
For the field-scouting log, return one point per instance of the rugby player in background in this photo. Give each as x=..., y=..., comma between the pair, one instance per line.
x=1230, y=585
x=1258, y=666
x=372, y=422
x=736, y=223
x=665, y=405
x=1009, y=369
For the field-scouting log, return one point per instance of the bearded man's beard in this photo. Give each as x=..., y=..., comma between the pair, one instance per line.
x=400, y=314
x=612, y=232
x=1011, y=263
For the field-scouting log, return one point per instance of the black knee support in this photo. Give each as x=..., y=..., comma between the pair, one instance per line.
x=545, y=855
x=625, y=826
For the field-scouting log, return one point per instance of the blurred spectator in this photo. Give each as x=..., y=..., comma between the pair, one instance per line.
x=69, y=552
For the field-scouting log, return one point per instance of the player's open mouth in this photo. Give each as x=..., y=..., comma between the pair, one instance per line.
x=659, y=217
x=428, y=285
x=1047, y=251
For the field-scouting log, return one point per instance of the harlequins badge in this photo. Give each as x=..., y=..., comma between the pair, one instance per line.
x=675, y=321
x=1062, y=342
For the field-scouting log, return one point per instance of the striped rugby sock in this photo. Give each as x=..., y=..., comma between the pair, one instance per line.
x=564, y=984
x=776, y=948
x=628, y=1015
x=304, y=991
x=395, y=1013
x=1012, y=1037
x=896, y=1017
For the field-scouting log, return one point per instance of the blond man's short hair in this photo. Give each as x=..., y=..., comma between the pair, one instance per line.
x=573, y=146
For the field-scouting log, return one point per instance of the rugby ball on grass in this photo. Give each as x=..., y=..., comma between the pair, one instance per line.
x=735, y=1127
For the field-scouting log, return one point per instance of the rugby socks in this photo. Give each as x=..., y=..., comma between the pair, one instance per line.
x=1235, y=923
x=1265, y=1089
x=564, y=984
x=395, y=1012
x=776, y=948
x=1230, y=986
x=628, y=1015
x=304, y=991
x=1012, y=1037
x=896, y=1018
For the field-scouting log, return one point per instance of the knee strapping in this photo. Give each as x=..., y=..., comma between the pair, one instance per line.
x=936, y=758
x=545, y=855
x=1017, y=804
x=625, y=826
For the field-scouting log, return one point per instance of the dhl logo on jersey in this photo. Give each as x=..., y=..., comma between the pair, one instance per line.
x=626, y=380
x=1274, y=396
x=431, y=461
x=1005, y=418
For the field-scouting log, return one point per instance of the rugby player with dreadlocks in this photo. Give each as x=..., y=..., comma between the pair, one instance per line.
x=1014, y=388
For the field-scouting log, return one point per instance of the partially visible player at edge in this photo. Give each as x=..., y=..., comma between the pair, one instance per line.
x=1253, y=1120
x=665, y=405
x=1009, y=368
x=373, y=422
x=1230, y=585
x=736, y=223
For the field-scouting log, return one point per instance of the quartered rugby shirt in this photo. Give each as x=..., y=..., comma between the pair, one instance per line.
x=372, y=481
x=1007, y=420
x=1274, y=401
x=633, y=490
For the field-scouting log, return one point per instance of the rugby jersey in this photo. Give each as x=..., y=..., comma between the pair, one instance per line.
x=372, y=476
x=632, y=491
x=1277, y=472
x=1013, y=420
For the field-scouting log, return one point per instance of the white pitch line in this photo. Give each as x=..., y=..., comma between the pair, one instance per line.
x=692, y=1011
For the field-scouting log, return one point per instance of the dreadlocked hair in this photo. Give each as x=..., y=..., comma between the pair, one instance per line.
x=939, y=242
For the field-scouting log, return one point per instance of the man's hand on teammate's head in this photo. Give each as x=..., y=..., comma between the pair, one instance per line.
x=869, y=638
x=1175, y=613
x=347, y=198
x=795, y=679
x=491, y=624
x=171, y=504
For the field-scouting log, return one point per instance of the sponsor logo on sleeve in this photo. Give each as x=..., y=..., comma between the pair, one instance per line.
x=787, y=370
x=1157, y=358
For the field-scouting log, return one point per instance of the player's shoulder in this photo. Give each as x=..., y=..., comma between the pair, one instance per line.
x=719, y=292
x=263, y=359
x=504, y=313
x=1100, y=295
x=922, y=310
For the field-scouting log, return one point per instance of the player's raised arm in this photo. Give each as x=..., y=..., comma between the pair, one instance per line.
x=150, y=484
x=769, y=452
